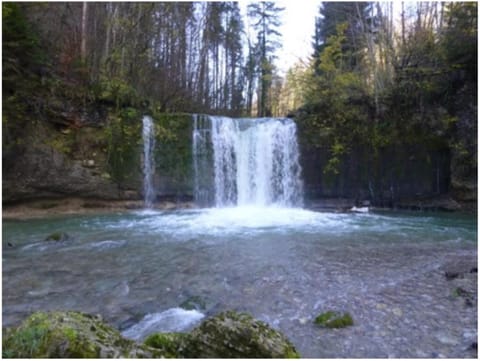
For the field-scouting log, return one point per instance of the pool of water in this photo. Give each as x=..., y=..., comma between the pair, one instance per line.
x=284, y=266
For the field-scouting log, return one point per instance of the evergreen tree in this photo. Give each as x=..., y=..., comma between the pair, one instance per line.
x=266, y=20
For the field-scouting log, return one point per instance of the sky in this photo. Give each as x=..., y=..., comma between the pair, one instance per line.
x=298, y=24
x=297, y=30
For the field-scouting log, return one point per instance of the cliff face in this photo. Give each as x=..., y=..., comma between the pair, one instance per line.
x=105, y=162
x=89, y=163
x=440, y=173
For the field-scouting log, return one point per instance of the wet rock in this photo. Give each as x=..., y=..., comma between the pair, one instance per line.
x=450, y=275
x=70, y=335
x=236, y=335
x=58, y=237
x=459, y=291
x=194, y=303
x=397, y=312
x=332, y=319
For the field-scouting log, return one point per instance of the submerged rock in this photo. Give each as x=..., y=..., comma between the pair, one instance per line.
x=332, y=319
x=58, y=237
x=236, y=335
x=194, y=303
x=70, y=335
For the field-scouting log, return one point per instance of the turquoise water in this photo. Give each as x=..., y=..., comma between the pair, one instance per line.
x=282, y=265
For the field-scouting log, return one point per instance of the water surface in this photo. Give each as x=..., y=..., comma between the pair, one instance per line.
x=284, y=266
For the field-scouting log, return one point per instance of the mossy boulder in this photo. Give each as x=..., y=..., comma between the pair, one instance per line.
x=332, y=319
x=236, y=335
x=168, y=343
x=79, y=335
x=70, y=335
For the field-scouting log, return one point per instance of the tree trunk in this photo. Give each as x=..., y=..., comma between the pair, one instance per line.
x=83, y=46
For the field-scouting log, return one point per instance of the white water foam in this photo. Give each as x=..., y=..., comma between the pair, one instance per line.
x=255, y=161
x=172, y=320
x=148, y=160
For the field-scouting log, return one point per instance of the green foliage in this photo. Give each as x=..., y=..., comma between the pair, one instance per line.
x=123, y=137
x=338, y=103
x=460, y=40
x=20, y=45
x=420, y=94
x=173, y=153
x=117, y=91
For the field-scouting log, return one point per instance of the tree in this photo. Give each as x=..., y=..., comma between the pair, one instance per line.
x=266, y=20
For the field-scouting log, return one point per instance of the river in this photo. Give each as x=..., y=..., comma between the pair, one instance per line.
x=282, y=265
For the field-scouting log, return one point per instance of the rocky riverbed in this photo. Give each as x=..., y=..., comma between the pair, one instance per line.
x=408, y=280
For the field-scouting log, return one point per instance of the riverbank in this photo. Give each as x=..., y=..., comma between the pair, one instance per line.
x=78, y=206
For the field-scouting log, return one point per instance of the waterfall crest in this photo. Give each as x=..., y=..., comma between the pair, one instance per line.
x=148, y=134
x=252, y=162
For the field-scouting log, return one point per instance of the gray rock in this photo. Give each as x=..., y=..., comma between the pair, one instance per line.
x=236, y=335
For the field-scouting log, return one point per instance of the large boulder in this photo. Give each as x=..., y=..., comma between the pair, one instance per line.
x=70, y=335
x=236, y=335
x=79, y=335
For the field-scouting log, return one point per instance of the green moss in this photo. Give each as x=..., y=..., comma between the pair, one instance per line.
x=69, y=335
x=237, y=335
x=168, y=343
x=331, y=319
x=26, y=343
x=58, y=237
x=173, y=153
x=123, y=138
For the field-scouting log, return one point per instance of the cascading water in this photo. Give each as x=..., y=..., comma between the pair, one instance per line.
x=255, y=161
x=148, y=161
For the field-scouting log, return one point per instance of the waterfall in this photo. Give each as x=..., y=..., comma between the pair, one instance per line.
x=148, y=160
x=254, y=161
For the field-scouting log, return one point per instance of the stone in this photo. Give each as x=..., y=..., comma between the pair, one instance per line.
x=194, y=303
x=70, y=335
x=58, y=237
x=236, y=335
x=450, y=275
x=333, y=319
x=78, y=335
x=397, y=312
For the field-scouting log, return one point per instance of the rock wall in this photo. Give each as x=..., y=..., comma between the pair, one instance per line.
x=105, y=162
x=395, y=176
x=97, y=162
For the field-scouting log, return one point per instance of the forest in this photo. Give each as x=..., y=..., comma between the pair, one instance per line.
x=171, y=190
x=378, y=80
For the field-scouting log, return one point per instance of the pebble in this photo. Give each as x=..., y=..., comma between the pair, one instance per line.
x=397, y=312
x=303, y=320
x=445, y=338
x=381, y=306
